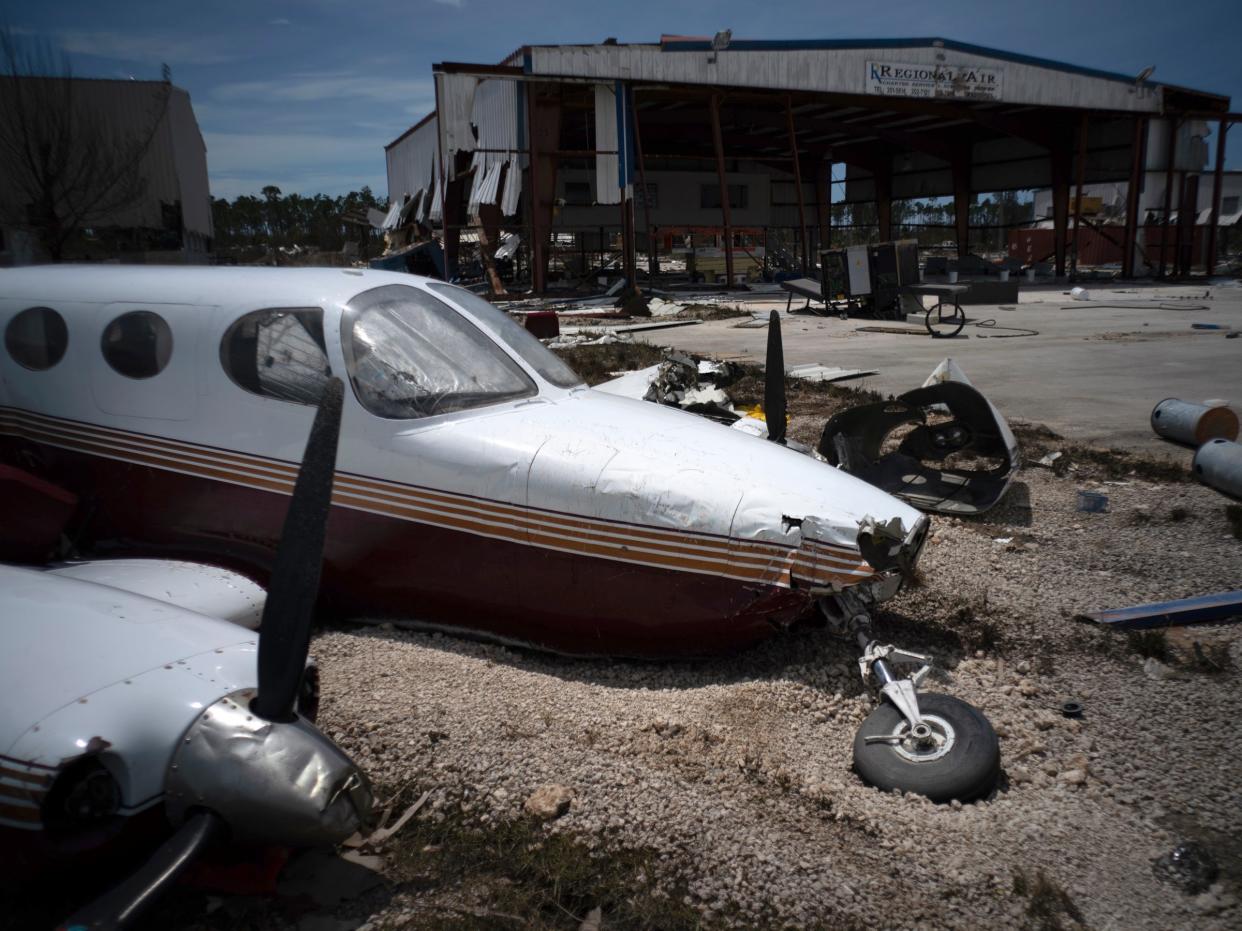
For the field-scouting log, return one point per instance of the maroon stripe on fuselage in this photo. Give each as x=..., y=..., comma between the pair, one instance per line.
x=380, y=567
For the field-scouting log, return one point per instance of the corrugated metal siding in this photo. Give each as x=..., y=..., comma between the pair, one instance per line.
x=454, y=107
x=842, y=71
x=413, y=164
x=190, y=153
x=607, y=167
x=174, y=164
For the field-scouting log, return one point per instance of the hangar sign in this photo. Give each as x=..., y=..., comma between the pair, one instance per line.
x=965, y=82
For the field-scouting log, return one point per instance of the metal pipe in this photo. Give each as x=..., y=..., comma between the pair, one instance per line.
x=1193, y=424
x=1218, y=463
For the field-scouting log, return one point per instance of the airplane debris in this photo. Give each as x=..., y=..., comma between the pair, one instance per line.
x=919, y=471
x=1193, y=424
x=1218, y=464
x=1092, y=502
x=1225, y=606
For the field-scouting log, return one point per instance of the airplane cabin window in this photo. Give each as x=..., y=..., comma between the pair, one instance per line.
x=410, y=355
x=534, y=353
x=36, y=338
x=278, y=353
x=137, y=344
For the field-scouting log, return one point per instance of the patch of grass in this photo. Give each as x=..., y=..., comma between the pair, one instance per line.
x=1037, y=440
x=1048, y=905
x=1233, y=515
x=1150, y=644
x=711, y=312
x=517, y=874
x=597, y=363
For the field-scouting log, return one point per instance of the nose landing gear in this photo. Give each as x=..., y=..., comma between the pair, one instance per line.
x=930, y=744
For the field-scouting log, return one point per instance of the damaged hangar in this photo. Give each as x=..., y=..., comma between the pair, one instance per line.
x=724, y=149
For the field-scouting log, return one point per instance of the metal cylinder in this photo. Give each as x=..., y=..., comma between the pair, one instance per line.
x=1218, y=463
x=1193, y=424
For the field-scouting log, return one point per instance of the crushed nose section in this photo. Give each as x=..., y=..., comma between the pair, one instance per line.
x=882, y=554
x=889, y=546
x=273, y=783
x=962, y=463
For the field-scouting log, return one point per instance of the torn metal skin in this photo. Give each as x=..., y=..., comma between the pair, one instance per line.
x=919, y=470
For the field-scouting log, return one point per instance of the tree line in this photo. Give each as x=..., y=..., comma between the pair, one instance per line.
x=277, y=219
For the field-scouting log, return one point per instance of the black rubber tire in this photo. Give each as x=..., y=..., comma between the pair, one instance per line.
x=968, y=771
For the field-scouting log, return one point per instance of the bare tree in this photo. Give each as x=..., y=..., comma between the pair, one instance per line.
x=63, y=166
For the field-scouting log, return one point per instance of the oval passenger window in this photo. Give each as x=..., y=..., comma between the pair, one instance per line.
x=36, y=338
x=137, y=344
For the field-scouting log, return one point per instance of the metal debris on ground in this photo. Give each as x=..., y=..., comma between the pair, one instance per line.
x=1218, y=464
x=1224, y=606
x=816, y=371
x=1193, y=424
x=1092, y=502
x=1189, y=866
x=918, y=471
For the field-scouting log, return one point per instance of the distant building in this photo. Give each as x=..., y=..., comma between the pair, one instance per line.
x=170, y=222
x=593, y=153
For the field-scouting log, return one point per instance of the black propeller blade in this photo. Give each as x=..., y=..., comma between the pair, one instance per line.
x=284, y=637
x=774, y=381
x=122, y=905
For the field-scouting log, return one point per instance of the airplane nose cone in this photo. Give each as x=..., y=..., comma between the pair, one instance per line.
x=272, y=782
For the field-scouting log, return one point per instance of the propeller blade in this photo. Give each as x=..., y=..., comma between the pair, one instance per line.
x=124, y=903
x=284, y=636
x=774, y=381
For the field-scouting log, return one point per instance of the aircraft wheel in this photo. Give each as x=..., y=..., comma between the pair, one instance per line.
x=945, y=319
x=958, y=759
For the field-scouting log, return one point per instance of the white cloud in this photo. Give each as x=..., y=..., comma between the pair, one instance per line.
x=310, y=87
x=241, y=163
x=145, y=47
x=280, y=21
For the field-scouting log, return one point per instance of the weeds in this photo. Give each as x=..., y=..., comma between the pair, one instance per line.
x=1233, y=515
x=598, y=363
x=1048, y=904
x=1150, y=644
x=534, y=879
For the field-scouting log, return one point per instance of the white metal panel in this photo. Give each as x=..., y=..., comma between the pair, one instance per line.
x=190, y=153
x=413, y=162
x=193, y=586
x=607, y=167
x=842, y=71
x=454, y=107
x=173, y=165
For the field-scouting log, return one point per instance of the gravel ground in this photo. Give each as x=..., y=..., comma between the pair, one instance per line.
x=736, y=771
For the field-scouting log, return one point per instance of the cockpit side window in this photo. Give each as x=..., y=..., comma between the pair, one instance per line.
x=278, y=353
x=513, y=335
x=410, y=355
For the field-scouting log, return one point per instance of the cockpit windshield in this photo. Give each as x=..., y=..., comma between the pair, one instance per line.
x=513, y=335
x=410, y=355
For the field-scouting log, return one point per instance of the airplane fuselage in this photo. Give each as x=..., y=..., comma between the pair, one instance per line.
x=479, y=487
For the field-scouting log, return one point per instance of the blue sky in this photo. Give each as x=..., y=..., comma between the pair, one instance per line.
x=305, y=93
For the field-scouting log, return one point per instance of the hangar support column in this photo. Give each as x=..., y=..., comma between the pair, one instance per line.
x=884, y=198
x=1060, y=203
x=544, y=120
x=724, y=188
x=1209, y=260
x=961, y=202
